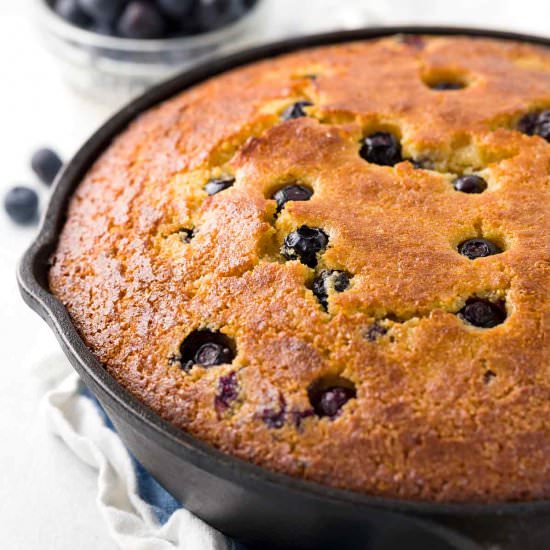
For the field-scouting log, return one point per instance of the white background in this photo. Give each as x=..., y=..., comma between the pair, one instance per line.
x=46, y=495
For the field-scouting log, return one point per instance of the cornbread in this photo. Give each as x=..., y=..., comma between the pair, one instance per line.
x=336, y=264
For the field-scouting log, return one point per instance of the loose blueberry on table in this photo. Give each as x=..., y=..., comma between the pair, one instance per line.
x=470, y=184
x=381, y=148
x=150, y=19
x=304, y=244
x=478, y=248
x=21, y=205
x=46, y=164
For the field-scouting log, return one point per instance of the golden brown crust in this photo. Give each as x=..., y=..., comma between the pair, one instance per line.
x=444, y=411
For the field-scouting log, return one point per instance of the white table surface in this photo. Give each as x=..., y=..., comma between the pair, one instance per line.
x=47, y=496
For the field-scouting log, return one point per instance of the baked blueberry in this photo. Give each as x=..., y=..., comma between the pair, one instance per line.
x=470, y=184
x=447, y=85
x=483, y=313
x=46, y=164
x=72, y=13
x=304, y=244
x=536, y=123
x=175, y=8
x=489, y=376
x=105, y=11
x=299, y=416
x=328, y=400
x=381, y=148
x=141, y=20
x=275, y=418
x=374, y=332
x=186, y=235
x=413, y=40
x=206, y=348
x=478, y=248
x=327, y=280
x=218, y=184
x=228, y=391
x=21, y=204
x=527, y=123
x=293, y=192
x=420, y=164
x=296, y=110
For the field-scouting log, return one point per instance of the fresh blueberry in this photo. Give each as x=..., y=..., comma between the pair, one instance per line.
x=447, y=86
x=304, y=244
x=46, y=164
x=104, y=28
x=228, y=391
x=71, y=12
x=216, y=185
x=483, y=313
x=478, y=248
x=236, y=10
x=330, y=280
x=470, y=184
x=296, y=110
x=21, y=204
x=175, y=8
x=381, y=148
x=141, y=20
x=536, y=124
x=329, y=400
x=104, y=11
x=212, y=14
x=293, y=192
x=206, y=348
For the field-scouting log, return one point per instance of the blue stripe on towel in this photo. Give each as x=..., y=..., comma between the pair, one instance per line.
x=160, y=500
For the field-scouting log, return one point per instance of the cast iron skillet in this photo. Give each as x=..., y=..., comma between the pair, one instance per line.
x=259, y=507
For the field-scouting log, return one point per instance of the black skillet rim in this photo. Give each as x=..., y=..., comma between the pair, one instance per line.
x=33, y=268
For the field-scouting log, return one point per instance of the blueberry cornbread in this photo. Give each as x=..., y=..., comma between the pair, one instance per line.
x=336, y=264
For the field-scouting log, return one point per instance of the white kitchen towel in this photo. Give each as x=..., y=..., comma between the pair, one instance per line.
x=139, y=513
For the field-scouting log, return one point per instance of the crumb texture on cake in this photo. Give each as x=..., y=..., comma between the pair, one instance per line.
x=342, y=353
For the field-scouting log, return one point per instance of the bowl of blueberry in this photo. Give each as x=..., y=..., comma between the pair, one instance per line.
x=114, y=49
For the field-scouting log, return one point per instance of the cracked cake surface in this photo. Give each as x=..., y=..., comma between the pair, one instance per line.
x=336, y=264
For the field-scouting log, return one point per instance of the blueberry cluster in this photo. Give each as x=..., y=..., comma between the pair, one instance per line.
x=147, y=19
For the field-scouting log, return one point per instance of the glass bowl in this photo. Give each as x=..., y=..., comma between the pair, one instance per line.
x=113, y=70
